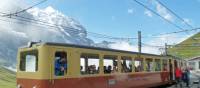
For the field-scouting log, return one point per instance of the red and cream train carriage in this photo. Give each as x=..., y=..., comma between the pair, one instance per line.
x=35, y=68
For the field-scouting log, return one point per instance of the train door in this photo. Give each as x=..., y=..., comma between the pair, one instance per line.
x=175, y=65
x=60, y=63
x=170, y=69
x=59, y=68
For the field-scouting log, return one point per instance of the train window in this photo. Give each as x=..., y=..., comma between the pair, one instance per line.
x=165, y=68
x=29, y=61
x=60, y=63
x=110, y=64
x=199, y=64
x=89, y=64
x=138, y=64
x=149, y=65
x=126, y=63
x=192, y=65
x=157, y=64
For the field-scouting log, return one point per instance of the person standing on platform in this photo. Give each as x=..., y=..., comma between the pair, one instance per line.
x=178, y=74
x=187, y=77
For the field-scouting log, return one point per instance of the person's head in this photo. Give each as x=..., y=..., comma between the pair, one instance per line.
x=124, y=61
x=104, y=67
x=62, y=60
x=109, y=67
x=93, y=67
x=115, y=63
x=81, y=67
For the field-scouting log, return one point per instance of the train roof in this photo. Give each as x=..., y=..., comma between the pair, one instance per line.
x=94, y=48
x=30, y=44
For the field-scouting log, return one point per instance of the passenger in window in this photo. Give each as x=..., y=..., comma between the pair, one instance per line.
x=87, y=70
x=123, y=64
x=115, y=69
x=109, y=70
x=105, y=69
x=148, y=67
x=130, y=67
x=139, y=68
x=92, y=69
x=135, y=68
x=81, y=68
x=60, y=66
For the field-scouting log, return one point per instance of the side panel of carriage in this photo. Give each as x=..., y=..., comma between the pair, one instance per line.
x=33, y=68
x=116, y=80
x=44, y=77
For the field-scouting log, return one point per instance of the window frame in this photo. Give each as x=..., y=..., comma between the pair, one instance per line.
x=158, y=62
x=112, y=58
x=149, y=65
x=126, y=58
x=54, y=59
x=141, y=63
x=165, y=65
x=23, y=54
x=94, y=56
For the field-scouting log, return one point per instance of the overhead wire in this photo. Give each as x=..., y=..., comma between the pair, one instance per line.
x=92, y=33
x=104, y=36
x=40, y=22
x=96, y=34
x=157, y=46
x=43, y=23
x=146, y=7
x=175, y=32
x=23, y=10
x=182, y=30
x=180, y=18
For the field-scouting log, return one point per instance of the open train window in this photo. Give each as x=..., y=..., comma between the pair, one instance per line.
x=158, y=65
x=29, y=61
x=89, y=63
x=126, y=63
x=60, y=63
x=165, y=66
x=149, y=65
x=138, y=64
x=199, y=64
x=192, y=65
x=110, y=64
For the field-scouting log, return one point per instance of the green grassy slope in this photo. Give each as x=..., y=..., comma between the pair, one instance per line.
x=188, y=48
x=7, y=78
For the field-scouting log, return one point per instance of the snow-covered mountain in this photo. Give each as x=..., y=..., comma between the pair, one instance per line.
x=16, y=33
x=68, y=30
x=53, y=26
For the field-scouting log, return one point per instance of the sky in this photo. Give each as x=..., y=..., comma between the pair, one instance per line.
x=123, y=18
x=119, y=18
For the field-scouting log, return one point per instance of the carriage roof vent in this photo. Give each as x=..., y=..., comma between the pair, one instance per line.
x=31, y=43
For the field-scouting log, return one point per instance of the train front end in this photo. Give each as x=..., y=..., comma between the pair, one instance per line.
x=31, y=72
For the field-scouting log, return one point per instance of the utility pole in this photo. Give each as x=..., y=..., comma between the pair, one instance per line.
x=166, y=49
x=139, y=42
